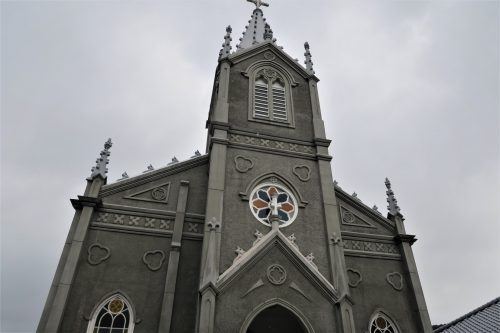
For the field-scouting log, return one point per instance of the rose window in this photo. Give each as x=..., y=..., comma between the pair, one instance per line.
x=265, y=197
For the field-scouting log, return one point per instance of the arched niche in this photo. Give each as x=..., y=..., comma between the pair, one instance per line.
x=276, y=315
x=273, y=177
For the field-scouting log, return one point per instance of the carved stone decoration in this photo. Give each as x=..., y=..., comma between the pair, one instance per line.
x=97, y=253
x=303, y=172
x=154, y=259
x=240, y=252
x=269, y=56
x=156, y=194
x=258, y=236
x=159, y=193
x=295, y=287
x=243, y=164
x=310, y=258
x=276, y=274
x=395, y=279
x=354, y=276
x=348, y=217
x=353, y=219
x=292, y=240
x=256, y=285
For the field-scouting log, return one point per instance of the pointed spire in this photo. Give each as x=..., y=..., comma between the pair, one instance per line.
x=308, y=62
x=391, y=199
x=226, y=46
x=268, y=32
x=257, y=30
x=100, y=168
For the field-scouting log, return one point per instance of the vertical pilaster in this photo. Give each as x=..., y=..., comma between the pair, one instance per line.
x=215, y=197
x=57, y=275
x=405, y=242
x=332, y=222
x=173, y=261
x=61, y=291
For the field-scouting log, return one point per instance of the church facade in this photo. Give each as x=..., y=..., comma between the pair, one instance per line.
x=253, y=236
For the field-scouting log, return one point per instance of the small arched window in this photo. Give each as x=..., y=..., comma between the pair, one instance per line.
x=114, y=315
x=271, y=97
x=380, y=323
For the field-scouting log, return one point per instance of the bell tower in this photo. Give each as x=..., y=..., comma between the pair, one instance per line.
x=271, y=199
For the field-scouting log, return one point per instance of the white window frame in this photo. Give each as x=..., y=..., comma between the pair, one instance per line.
x=382, y=314
x=97, y=310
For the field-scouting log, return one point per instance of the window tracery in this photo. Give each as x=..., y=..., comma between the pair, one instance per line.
x=380, y=323
x=114, y=315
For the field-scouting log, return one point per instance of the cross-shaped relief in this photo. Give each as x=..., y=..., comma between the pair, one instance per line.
x=274, y=205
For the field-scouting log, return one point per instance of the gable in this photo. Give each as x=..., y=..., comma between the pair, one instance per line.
x=357, y=217
x=276, y=245
x=271, y=52
x=157, y=190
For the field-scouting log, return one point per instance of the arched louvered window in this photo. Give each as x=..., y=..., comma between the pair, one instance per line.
x=380, y=323
x=271, y=98
x=114, y=315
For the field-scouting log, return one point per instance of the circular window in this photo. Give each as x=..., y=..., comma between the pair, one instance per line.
x=265, y=196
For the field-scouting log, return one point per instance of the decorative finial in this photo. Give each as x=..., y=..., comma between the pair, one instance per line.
x=124, y=176
x=308, y=62
x=150, y=168
x=174, y=160
x=391, y=199
x=100, y=168
x=226, y=46
x=268, y=32
x=259, y=3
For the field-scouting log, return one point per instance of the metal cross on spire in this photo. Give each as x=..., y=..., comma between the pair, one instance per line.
x=259, y=3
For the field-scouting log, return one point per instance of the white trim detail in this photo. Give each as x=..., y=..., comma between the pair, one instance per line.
x=105, y=305
x=389, y=325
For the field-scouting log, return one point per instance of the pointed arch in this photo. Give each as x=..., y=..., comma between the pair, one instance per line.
x=270, y=93
x=114, y=310
x=381, y=322
x=273, y=177
x=279, y=302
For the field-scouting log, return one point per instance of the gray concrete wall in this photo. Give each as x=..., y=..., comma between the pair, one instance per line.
x=234, y=304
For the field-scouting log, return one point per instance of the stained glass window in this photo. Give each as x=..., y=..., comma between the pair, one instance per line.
x=382, y=324
x=261, y=204
x=113, y=316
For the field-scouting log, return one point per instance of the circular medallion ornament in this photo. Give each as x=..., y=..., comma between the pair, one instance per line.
x=348, y=217
x=266, y=196
x=269, y=56
x=159, y=193
x=115, y=305
x=276, y=274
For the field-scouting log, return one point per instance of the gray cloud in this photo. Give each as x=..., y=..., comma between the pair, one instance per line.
x=409, y=90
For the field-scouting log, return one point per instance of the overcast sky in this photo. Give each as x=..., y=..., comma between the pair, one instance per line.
x=409, y=90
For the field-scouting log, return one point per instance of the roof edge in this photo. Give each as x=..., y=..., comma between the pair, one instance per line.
x=467, y=315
